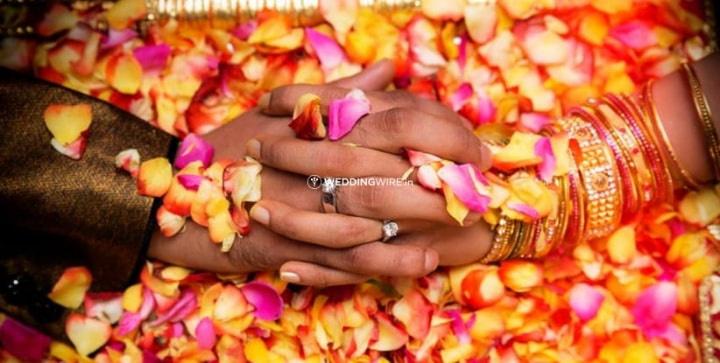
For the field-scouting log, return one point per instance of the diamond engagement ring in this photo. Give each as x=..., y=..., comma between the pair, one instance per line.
x=389, y=229
x=329, y=195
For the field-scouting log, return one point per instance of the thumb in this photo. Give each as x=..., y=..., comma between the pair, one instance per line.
x=374, y=78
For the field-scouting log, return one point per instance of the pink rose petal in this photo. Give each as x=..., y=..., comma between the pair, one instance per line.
x=152, y=57
x=635, y=34
x=461, y=96
x=190, y=181
x=462, y=185
x=326, y=49
x=267, y=302
x=534, y=121
x=543, y=149
x=585, y=300
x=525, y=209
x=244, y=30
x=117, y=37
x=205, y=333
x=182, y=308
x=131, y=321
x=23, y=342
x=194, y=148
x=654, y=309
x=459, y=327
x=344, y=113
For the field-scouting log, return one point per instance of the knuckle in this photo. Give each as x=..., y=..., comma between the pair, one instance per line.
x=247, y=254
x=392, y=121
x=354, y=257
x=351, y=228
x=369, y=198
x=335, y=160
x=403, y=98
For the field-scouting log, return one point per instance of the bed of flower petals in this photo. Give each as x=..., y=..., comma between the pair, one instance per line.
x=511, y=66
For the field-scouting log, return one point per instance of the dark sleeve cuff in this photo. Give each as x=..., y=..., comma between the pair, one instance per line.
x=56, y=212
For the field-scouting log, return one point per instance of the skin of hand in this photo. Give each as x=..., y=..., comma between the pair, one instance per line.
x=342, y=248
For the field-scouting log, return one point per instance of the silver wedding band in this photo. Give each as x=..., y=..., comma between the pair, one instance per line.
x=329, y=196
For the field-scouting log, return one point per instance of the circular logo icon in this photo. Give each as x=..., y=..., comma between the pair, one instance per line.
x=314, y=181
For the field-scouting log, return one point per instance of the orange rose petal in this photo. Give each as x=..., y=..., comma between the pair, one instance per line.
x=169, y=223
x=154, y=177
x=520, y=276
x=124, y=12
x=128, y=160
x=133, y=298
x=390, y=337
x=69, y=290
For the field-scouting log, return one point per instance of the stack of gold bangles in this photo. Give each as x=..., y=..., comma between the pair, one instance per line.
x=622, y=162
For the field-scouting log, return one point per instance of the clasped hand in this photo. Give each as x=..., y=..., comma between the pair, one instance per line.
x=289, y=232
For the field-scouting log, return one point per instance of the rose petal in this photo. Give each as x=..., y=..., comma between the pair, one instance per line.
x=154, y=177
x=544, y=150
x=654, y=309
x=87, y=334
x=128, y=160
x=69, y=290
x=115, y=37
x=67, y=122
x=326, y=49
x=307, y=119
x=194, y=148
x=418, y=158
x=461, y=96
x=427, y=177
x=635, y=34
x=152, y=57
x=585, y=300
x=534, y=121
x=190, y=181
x=344, y=113
x=205, y=334
x=74, y=150
x=23, y=342
x=169, y=223
x=267, y=302
x=463, y=186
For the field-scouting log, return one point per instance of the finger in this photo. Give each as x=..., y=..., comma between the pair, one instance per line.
x=380, y=259
x=377, y=77
x=296, y=193
x=324, y=158
x=380, y=198
x=281, y=101
x=397, y=129
x=303, y=273
x=329, y=230
x=455, y=246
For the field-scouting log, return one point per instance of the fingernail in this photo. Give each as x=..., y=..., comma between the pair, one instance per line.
x=260, y=214
x=290, y=277
x=431, y=261
x=264, y=101
x=252, y=148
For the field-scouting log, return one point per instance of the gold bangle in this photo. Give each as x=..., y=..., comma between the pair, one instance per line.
x=599, y=176
x=652, y=121
x=553, y=229
x=703, y=110
x=503, y=231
